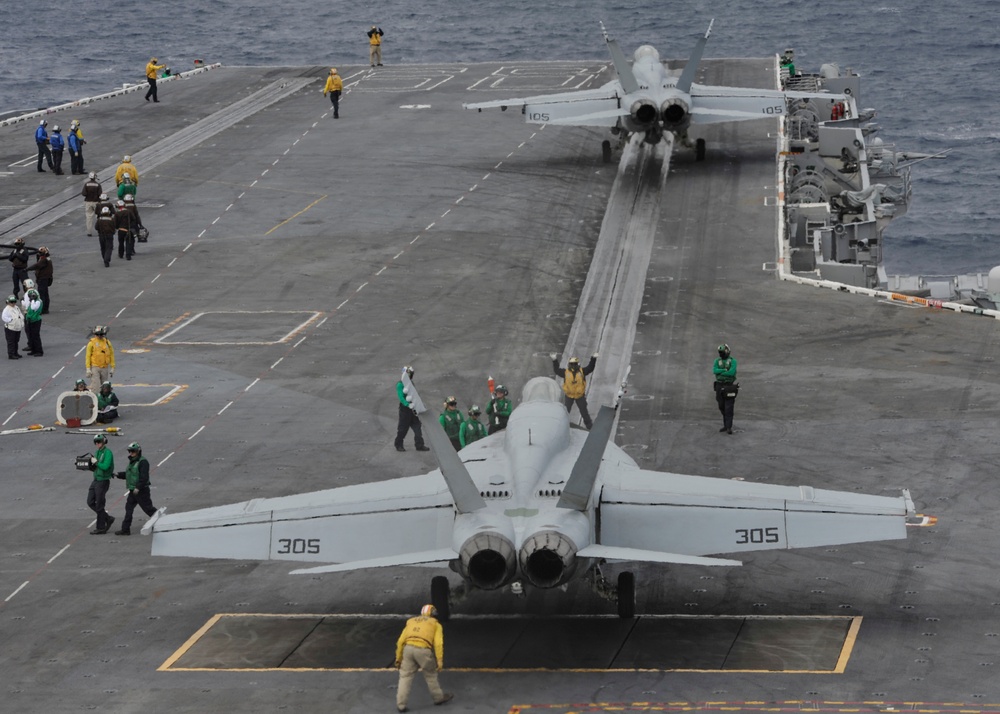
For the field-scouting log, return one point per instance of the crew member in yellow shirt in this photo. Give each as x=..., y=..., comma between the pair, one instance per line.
x=100, y=359
x=151, y=69
x=375, y=45
x=334, y=85
x=421, y=647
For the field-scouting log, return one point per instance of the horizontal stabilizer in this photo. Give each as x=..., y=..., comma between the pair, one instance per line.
x=427, y=556
x=610, y=552
x=611, y=90
x=610, y=116
x=712, y=116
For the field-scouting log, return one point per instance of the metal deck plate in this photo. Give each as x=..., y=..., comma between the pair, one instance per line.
x=339, y=642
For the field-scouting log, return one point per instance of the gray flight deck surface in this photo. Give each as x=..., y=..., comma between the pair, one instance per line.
x=296, y=263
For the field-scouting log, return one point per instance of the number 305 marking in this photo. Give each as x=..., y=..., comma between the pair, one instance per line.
x=756, y=535
x=288, y=546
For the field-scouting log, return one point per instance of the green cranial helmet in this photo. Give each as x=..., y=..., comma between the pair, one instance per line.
x=134, y=446
x=724, y=351
x=501, y=389
x=100, y=439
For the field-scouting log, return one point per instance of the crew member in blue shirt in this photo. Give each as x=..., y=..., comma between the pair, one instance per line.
x=42, y=140
x=75, y=157
x=58, y=144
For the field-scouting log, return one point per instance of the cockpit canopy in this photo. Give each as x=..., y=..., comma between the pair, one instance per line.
x=646, y=53
x=541, y=389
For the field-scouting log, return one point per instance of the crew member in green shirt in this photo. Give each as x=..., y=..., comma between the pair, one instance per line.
x=102, y=463
x=472, y=428
x=499, y=409
x=136, y=477
x=451, y=420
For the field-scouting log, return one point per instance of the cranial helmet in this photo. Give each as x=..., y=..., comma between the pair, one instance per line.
x=408, y=369
x=11, y=299
x=100, y=439
x=501, y=389
x=81, y=382
x=574, y=360
x=55, y=128
x=129, y=197
x=104, y=197
x=29, y=284
x=92, y=175
x=43, y=123
x=127, y=158
x=105, y=211
x=429, y=611
x=100, y=330
x=724, y=351
x=474, y=410
x=134, y=446
x=19, y=241
x=43, y=250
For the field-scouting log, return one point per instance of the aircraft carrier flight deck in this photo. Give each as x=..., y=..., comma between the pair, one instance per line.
x=296, y=262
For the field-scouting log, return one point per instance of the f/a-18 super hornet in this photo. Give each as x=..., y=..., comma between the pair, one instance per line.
x=648, y=98
x=535, y=505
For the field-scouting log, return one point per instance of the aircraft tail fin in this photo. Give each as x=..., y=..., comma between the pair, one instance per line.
x=463, y=489
x=622, y=67
x=687, y=76
x=580, y=484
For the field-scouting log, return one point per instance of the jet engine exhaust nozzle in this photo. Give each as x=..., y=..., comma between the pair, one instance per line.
x=487, y=560
x=643, y=111
x=675, y=113
x=548, y=559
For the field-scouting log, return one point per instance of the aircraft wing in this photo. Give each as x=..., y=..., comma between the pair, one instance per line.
x=399, y=522
x=696, y=515
x=587, y=107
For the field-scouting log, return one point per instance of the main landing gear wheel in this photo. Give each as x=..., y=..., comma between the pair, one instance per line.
x=699, y=150
x=606, y=151
x=626, y=595
x=440, y=592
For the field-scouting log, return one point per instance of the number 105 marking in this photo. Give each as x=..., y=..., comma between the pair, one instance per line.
x=756, y=535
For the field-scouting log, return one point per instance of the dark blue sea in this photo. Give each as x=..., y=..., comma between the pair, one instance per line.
x=930, y=68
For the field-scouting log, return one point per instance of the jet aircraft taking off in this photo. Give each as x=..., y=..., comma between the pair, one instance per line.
x=648, y=98
x=535, y=505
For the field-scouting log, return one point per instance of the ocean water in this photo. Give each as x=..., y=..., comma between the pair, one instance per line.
x=929, y=68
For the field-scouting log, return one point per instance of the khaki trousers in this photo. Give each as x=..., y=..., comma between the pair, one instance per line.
x=417, y=658
x=375, y=54
x=90, y=209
